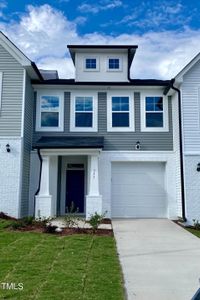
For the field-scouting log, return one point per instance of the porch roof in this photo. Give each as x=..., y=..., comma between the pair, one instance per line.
x=61, y=142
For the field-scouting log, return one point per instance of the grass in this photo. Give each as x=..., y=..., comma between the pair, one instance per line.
x=194, y=231
x=54, y=267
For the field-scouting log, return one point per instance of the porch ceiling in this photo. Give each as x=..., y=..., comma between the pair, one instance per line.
x=55, y=142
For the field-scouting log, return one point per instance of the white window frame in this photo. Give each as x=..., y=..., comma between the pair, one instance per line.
x=130, y=95
x=165, y=127
x=97, y=63
x=58, y=94
x=94, y=127
x=120, y=63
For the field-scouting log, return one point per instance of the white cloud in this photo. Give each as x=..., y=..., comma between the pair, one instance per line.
x=43, y=34
x=103, y=5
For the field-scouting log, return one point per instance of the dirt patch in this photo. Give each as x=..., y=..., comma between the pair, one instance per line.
x=6, y=217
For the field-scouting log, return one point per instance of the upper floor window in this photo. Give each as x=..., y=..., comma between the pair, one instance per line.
x=49, y=115
x=120, y=113
x=154, y=111
x=90, y=63
x=83, y=112
x=154, y=114
x=114, y=64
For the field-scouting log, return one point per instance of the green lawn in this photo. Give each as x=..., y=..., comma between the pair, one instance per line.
x=54, y=267
x=194, y=231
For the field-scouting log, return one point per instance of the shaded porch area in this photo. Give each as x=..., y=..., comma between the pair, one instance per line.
x=69, y=175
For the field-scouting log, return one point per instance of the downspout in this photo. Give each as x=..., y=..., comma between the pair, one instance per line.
x=39, y=183
x=181, y=148
x=129, y=66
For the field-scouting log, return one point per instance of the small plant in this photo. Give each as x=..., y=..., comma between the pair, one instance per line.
x=50, y=228
x=96, y=220
x=71, y=218
x=196, y=224
x=42, y=222
x=17, y=225
x=28, y=220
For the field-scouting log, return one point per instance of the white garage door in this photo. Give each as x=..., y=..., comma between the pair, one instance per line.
x=138, y=190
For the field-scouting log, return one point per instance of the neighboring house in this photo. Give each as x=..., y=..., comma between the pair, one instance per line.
x=102, y=140
x=188, y=82
x=16, y=107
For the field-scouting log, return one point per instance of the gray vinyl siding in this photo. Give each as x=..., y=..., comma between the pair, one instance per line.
x=27, y=145
x=118, y=141
x=12, y=94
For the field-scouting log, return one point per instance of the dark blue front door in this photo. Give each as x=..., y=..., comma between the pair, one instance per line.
x=75, y=189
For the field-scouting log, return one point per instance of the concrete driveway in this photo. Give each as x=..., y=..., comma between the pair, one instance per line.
x=160, y=260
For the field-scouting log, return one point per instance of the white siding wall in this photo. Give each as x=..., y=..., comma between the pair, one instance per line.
x=10, y=176
x=191, y=109
x=190, y=91
x=102, y=74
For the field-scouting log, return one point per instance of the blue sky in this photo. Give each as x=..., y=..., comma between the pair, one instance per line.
x=167, y=32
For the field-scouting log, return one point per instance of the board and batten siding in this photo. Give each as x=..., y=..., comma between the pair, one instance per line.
x=118, y=141
x=27, y=145
x=12, y=94
x=190, y=92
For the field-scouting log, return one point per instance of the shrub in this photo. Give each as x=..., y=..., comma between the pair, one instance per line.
x=196, y=224
x=28, y=220
x=71, y=219
x=96, y=220
x=17, y=224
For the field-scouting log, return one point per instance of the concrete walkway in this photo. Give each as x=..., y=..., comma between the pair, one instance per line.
x=160, y=260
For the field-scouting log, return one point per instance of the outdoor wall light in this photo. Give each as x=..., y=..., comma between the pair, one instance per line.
x=137, y=146
x=8, y=148
x=198, y=167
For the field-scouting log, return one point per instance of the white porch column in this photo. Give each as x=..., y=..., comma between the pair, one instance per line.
x=93, y=199
x=43, y=201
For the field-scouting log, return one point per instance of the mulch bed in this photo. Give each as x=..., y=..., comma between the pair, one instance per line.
x=67, y=231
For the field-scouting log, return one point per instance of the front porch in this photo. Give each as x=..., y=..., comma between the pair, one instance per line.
x=68, y=176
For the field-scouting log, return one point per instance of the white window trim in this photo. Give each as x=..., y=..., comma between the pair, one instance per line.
x=1, y=87
x=131, y=111
x=61, y=110
x=94, y=128
x=120, y=63
x=165, y=127
x=97, y=63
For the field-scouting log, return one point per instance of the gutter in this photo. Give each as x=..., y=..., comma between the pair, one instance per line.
x=181, y=148
x=39, y=183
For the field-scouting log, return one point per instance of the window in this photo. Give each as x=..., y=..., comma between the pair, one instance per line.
x=113, y=63
x=83, y=112
x=90, y=63
x=49, y=116
x=120, y=112
x=154, y=110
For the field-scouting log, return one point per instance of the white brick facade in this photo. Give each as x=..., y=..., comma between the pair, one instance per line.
x=10, y=174
x=192, y=191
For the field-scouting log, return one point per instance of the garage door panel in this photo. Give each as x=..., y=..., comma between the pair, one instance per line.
x=138, y=189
